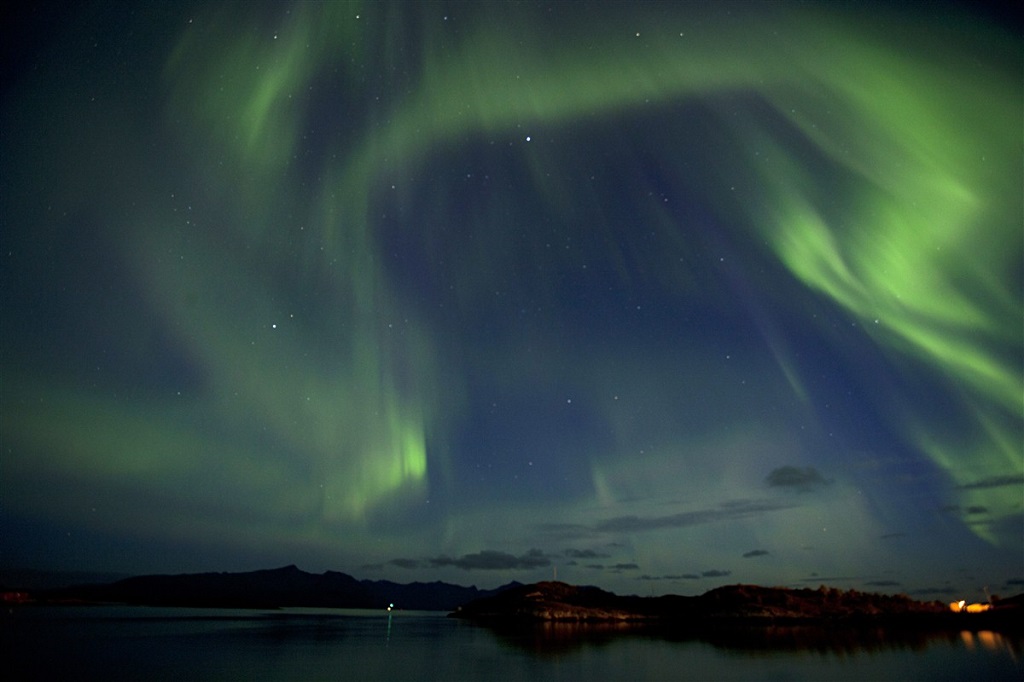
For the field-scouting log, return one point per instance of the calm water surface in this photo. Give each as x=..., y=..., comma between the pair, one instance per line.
x=136, y=643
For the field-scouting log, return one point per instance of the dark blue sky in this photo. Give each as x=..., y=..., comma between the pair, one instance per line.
x=662, y=295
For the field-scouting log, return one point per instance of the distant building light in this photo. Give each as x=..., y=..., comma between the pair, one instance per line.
x=962, y=607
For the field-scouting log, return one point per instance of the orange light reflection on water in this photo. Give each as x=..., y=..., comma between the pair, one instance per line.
x=987, y=640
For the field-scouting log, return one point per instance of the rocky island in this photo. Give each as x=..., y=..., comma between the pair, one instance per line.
x=729, y=605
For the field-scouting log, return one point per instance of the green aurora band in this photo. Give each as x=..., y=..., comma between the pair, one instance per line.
x=914, y=230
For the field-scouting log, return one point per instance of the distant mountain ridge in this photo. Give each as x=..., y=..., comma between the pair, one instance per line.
x=278, y=587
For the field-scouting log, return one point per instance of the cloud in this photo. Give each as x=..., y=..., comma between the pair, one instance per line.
x=715, y=573
x=977, y=509
x=490, y=560
x=614, y=568
x=726, y=512
x=994, y=482
x=755, y=552
x=407, y=563
x=802, y=480
x=487, y=560
x=584, y=554
x=883, y=583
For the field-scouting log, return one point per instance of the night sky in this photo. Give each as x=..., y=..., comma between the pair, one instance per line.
x=659, y=296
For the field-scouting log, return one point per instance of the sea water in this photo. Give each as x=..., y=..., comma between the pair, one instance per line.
x=141, y=643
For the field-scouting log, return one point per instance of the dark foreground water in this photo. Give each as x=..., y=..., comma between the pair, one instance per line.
x=139, y=643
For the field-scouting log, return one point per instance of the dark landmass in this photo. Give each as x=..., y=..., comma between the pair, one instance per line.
x=733, y=605
x=551, y=618
x=551, y=603
x=28, y=579
x=274, y=588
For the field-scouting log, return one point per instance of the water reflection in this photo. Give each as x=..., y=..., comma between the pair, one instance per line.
x=553, y=638
x=990, y=640
x=556, y=638
x=308, y=644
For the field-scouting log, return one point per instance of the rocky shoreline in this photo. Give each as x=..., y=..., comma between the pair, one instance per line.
x=731, y=605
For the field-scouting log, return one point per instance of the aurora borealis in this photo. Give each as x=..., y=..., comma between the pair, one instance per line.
x=662, y=295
